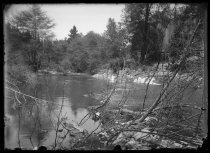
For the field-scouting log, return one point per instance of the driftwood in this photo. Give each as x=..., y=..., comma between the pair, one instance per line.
x=125, y=111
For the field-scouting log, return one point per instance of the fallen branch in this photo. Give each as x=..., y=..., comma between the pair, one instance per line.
x=182, y=61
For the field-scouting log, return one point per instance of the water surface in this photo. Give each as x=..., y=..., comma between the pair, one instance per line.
x=76, y=97
x=77, y=93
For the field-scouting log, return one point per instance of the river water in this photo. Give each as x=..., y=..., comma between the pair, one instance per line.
x=75, y=91
x=76, y=97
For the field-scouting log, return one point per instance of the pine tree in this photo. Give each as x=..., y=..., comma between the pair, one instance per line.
x=73, y=34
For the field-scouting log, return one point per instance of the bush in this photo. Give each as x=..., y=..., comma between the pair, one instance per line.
x=21, y=74
x=116, y=64
x=65, y=64
x=60, y=68
x=131, y=64
x=93, y=67
x=173, y=67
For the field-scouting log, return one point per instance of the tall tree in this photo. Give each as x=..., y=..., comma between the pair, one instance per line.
x=35, y=22
x=144, y=47
x=112, y=36
x=14, y=41
x=111, y=31
x=144, y=25
x=73, y=34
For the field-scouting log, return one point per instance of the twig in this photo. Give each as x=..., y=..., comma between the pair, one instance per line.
x=84, y=118
x=148, y=85
x=182, y=61
x=37, y=99
x=58, y=122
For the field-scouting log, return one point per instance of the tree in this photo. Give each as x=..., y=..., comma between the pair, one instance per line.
x=144, y=47
x=145, y=29
x=37, y=25
x=187, y=17
x=73, y=34
x=14, y=41
x=35, y=21
x=134, y=22
x=92, y=40
x=111, y=31
x=112, y=35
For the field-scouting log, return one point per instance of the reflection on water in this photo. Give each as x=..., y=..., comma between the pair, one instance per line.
x=38, y=118
x=38, y=121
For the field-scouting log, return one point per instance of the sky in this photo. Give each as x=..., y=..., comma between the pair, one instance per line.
x=86, y=17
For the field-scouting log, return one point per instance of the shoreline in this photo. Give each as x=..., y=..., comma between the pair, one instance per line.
x=53, y=72
x=123, y=76
x=133, y=76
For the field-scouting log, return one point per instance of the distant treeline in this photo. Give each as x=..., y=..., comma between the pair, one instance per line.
x=148, y=33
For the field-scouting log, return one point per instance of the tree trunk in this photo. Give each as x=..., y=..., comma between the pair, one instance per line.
x=135, y=45
x=144, y=47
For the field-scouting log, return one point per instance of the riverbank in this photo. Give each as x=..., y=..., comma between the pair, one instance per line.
x=141, y=76
x=131, y=76
x=54, y=72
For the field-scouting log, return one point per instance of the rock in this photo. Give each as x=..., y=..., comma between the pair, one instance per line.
x=97, y=114
x=141, y=134
x=131, y=144
x=165, y=143
x=149, y=119
x=177, y=145
x=106, y=76
x=103, y=134
x=145, y=80
x=119, y=139
x=184, y=143
x=129, y=134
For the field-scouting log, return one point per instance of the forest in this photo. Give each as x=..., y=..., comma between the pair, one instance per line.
x=164, y=41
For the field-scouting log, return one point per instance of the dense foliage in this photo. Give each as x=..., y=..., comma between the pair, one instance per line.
x=147, y=34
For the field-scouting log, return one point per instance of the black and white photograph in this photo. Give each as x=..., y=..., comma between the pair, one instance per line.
x=105, y=76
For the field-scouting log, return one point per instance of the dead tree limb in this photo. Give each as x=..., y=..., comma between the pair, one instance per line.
x=182, y=61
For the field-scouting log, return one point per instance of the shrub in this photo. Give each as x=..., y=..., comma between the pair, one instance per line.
x=65, y=64
x=116, y=64
x=21, y=74
x=59, y=68
x=93, y=67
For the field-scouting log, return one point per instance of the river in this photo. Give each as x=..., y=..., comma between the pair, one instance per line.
x=76, y=93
